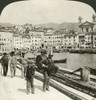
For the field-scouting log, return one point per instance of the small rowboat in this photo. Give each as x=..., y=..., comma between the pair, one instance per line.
x=60, y=61
x=55, y=61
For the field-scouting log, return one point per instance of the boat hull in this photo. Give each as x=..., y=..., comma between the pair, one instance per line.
x=60, y=61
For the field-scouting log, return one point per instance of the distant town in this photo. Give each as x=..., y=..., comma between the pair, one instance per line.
x=29, y=37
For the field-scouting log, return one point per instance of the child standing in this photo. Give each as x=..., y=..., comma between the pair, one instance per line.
x=30, y=77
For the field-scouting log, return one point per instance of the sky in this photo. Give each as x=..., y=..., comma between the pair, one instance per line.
x=45, y=11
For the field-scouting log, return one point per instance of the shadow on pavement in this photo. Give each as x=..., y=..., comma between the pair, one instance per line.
x=22, y=90
x=39, y=87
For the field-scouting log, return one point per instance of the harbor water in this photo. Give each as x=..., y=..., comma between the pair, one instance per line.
x=75, y=61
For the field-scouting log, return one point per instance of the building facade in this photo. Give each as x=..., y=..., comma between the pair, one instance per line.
x=18, y=41
x=6, y=41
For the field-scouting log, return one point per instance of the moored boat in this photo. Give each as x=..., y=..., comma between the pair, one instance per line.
x=55, y=61
x=60, y=61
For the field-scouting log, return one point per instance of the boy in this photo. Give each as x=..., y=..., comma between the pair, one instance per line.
x=30, y=76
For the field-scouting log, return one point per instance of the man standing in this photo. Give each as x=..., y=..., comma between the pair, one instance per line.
x=4, y=63
x=52, y=68
x=13, y=63
x=41, y=64
x=23, y=63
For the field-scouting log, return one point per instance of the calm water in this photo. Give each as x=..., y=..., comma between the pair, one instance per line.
x=75, y=61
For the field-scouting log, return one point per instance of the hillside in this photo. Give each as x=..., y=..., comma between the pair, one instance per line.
x=6, y=24
x=65, y=25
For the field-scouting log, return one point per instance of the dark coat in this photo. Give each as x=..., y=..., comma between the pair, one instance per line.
x=30, y=72
x=51, y=68
x=38, y=62
x=4, y=60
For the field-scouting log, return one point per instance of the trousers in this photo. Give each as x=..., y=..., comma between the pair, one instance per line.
x=23, y=71
x=46, y=81
x=5, y=69
x=13, y=70
x=30, y=84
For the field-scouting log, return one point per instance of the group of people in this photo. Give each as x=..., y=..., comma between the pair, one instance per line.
x=43, y=62
x=6, y=61
x=46, y=65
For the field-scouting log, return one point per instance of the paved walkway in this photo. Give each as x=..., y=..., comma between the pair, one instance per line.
x=15, y=89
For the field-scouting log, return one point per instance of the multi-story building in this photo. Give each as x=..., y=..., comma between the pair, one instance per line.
x=57, y=40
x=71, y=40
x=88, y=34
x=26, y=42
x=35, y=41
x=53, y=39
x=18, y=41
x=6, y=41
x=81, y=40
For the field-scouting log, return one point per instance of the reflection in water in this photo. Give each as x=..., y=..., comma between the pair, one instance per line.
x=75, y=61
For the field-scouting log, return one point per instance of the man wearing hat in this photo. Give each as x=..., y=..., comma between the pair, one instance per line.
x=42, y=64
x=40, y=59
x=46, y=65
x=30, y=76
x=52, y=69
x=4, y=63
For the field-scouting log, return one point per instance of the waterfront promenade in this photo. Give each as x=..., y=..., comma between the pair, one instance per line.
x=15, y=89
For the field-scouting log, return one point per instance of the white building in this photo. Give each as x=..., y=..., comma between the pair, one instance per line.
x=57, y=40
x=81, y=37
x=53, y=39
x=87, y=29
x=6, y=41
x=71, y=41
x=94, y=41
x=27, y=42
x=18, y=41
x=36, y=41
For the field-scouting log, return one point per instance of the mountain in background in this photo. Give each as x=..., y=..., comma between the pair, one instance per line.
x=6, y=24
x=65, y=25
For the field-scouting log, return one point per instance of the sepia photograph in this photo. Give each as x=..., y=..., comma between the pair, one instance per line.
x=47, y=50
